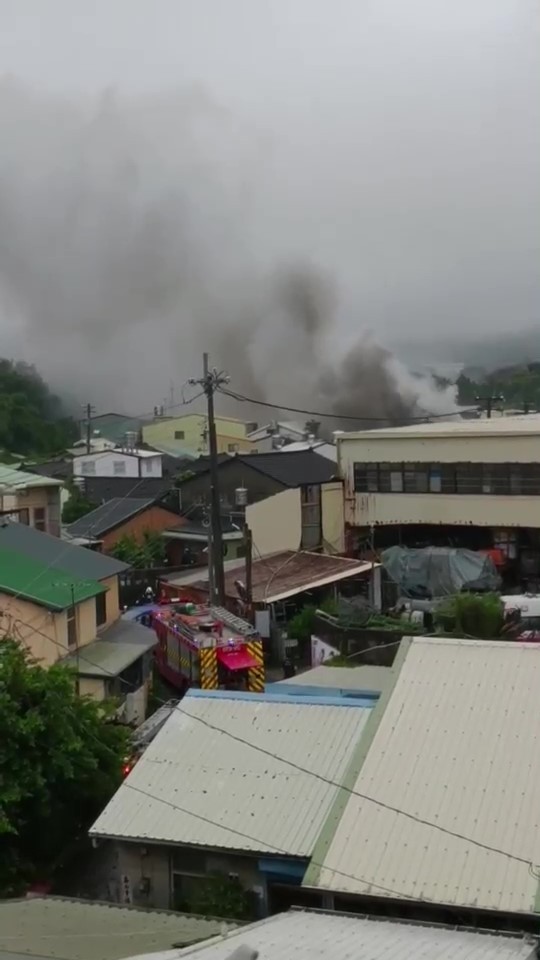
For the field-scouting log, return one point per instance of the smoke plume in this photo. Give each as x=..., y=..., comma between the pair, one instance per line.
x=136, y=233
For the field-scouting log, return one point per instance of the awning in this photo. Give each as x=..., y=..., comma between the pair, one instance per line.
x=236, y=659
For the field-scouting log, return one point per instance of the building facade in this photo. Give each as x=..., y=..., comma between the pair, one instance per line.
x=31, y=499
x=119, y=463
x=189, y=434
x=464, y=483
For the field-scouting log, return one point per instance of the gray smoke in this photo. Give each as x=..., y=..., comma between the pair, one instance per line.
x=134, y=234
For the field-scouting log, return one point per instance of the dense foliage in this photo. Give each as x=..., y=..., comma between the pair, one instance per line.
x=142, y=554
x=77, y=506
x=60, y=762
x=519, y=385
x=31, y=417
x=480, y=616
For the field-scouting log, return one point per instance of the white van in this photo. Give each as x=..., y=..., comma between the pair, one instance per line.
x=529, y=608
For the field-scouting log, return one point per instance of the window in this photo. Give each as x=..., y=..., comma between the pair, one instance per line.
x=88, y=468
x=366, y=477
x=72, y=627
x=232, y=447
x=119, y=468
x=101, y=609
x=148, y=465
x=311, y=517
x=391, y=478
x=179, y=435
x=189, y=875
x=435, y=478
x=40, y=518
x=23, y=516
x=415, y=478
x=469, y=478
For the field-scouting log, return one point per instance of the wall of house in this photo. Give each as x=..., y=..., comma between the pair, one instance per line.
x=227, y=443
x=103, y=465
x=139, y=862
x=155, y=519
x=276, y=523
x=47, y=498
x=333, y=517
x=92, y=687
x=42, y=631
x=364, y=509
x=193, y=428
x=112, y=601
x=232, y=474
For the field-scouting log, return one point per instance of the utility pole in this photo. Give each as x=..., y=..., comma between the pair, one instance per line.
x=210, y=382
x=248, y=545
x=90, y=410
x=489, y=401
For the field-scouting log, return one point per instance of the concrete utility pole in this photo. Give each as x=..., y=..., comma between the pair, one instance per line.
x=248, y=545
x=210, y=382
x=488, y=403
x=90, y=410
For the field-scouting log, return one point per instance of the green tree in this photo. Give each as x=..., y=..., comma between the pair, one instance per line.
x=77, y=506
x=147, y=552
x=31, y=417
x=474, y=615
x=60, y=762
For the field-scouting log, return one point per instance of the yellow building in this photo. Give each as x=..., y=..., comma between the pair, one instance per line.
x=61, y=602
x=189, y=434
x=31, y=499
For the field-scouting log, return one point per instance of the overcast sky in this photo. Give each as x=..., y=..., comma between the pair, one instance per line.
x=393, y=145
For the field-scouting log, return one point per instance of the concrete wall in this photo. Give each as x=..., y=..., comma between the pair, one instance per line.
x=92, y=687
x=193, y=426
x=137, y=860
x=333, y=517
x=47, y=498
x=43, y=632
x=112, y=601
x=276, y=523
x=103, y=465
x=366, y=509
x=155, y=519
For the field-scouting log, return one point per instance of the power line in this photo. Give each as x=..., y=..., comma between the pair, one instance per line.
x=334, y=783
x=335, y=416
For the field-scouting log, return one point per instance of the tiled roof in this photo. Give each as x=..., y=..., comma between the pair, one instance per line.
x=58, y=555
x=53, y=927
x=305, y=935
x=219, y=790
x=454, y=778
x=108, y=516
x=38, y=583
x=101, y=489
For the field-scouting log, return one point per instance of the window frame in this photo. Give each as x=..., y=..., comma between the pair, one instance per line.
x=116, y=465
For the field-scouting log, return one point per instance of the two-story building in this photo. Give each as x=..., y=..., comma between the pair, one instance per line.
x=119, y=462
x=292, y=501
x=62, y=602
x=31, y=499
x=463, y=483
x=188, y=434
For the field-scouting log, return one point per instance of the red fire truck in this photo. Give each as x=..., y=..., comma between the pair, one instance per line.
x=207, y=647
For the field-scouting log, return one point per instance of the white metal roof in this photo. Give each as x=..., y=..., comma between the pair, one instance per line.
x=367, y=677
x=510, y=426
x=12, y=479
x=306, y=935
x=457, y=745
x=200, y=785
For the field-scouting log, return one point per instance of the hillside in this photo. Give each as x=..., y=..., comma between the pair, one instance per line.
x=32, y=419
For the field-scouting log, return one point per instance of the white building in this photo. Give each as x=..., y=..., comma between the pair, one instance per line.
x=478, y=475
x=119, y=463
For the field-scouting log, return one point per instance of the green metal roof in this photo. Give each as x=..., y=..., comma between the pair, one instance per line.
x=53, y=927
x=49, y=587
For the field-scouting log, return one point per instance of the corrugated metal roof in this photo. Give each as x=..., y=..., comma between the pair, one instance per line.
x=367, y=677
x=49, y=587
x=232, y=795
x=281, y=575
x=19, y=480
x=527, y=424
x=54, y=927
x=58, y=554
x=119, y=646
x=457, y=745
x=306, y=935
x=107, y=516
